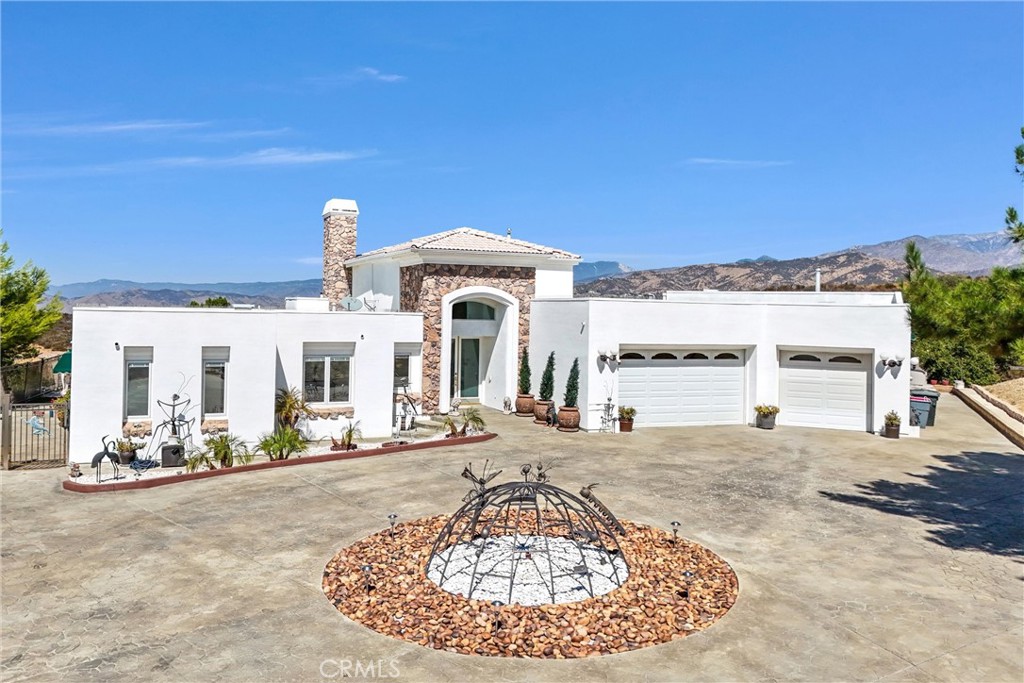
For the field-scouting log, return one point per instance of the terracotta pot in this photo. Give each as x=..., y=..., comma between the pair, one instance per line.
x=568, y=419
x=524, y=405
x=766, y=421
x=933, y=381
x=891, y=431
x=125, y=457
x=540, y=412
x=625, y=425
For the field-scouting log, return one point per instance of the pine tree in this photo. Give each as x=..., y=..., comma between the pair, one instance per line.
x=23, y=317
x=572, y=385
x=547, y=380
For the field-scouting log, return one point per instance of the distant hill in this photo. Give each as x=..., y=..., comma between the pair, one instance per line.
x=837, y=271
x=279, y=290
x=969, y=254
x=167, y=297
x=586, y=271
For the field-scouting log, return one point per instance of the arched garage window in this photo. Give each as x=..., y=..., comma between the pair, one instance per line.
x=727, y=356
x=663, y=356
x=843, y=359
x=631, y=356
x=806, y=357
x=695, y=356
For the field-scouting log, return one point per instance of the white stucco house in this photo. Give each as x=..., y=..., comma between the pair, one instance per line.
x=446, y=317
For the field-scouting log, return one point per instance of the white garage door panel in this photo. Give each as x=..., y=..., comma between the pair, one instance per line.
x=683, y=392
x=823, y=394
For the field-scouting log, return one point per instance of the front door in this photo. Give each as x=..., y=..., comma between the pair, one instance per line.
x=466, y=368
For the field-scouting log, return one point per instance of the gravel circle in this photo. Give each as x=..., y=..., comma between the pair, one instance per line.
x=672, y=590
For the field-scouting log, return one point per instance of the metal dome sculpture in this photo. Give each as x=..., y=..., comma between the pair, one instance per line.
x=528, y=542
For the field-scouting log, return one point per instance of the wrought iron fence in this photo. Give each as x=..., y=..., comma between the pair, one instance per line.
x=31, y=379
x=35, y=434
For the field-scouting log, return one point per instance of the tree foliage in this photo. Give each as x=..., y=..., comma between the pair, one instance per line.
x=525, y=381
x=211, y=302
x=963, y=327
x=547, y=380
x=1014, y=226
x=23, y=316
x=572, y=385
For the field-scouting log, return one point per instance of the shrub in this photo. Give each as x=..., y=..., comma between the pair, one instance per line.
x=282, y=443
x=471, y=417
x=525, y=381
x=892, y=419
x=290, y=406
x=225, y=449
x=547, y=380
x=1017, y=351
x=626, y=413
x=572, y=385
x=766, y=410
x=953, y=359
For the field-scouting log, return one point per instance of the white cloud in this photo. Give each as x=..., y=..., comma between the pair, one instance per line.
x=108, y=128
x=242, y=134
x=272, y=156
x=363, y=73
x=712, y=162
x=263, y=158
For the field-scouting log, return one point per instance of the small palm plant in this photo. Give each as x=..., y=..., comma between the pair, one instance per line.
x=351, y=433
x=282, y=443
x=226, y=449
x=198, y=458
x=471, y=417
x=290, y=407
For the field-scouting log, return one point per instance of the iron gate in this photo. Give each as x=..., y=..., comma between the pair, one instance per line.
x=35, y=435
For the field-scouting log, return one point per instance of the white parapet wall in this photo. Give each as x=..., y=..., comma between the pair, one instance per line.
x=760, y=326
x=263, y=350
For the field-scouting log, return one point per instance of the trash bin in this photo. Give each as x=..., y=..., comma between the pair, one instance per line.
x=921, y=406
x=932, y=396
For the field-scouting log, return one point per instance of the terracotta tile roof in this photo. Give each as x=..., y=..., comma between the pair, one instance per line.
x=472, y=240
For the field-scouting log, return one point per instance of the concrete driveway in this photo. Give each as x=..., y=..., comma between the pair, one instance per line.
x=859, y=558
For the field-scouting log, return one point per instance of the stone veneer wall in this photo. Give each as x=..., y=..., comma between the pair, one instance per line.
x=422, y=287
x=339, y=246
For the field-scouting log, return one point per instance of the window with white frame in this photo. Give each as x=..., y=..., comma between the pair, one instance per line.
x=136, y=389
x=214, y=387
x=327, y=379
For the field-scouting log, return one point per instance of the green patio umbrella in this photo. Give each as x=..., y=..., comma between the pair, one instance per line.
x=63, y=364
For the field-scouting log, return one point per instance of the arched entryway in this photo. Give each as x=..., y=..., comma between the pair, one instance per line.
x=479, y=346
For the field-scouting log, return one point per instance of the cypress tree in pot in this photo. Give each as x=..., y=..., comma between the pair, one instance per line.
x=547, y=389
x=569, y=414
x=524, y=399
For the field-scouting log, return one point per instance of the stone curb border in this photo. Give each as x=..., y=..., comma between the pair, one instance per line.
x=999, y=403
x=1000, y=426
x=327, y=457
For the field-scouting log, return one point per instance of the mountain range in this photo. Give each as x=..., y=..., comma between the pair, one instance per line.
x=858, y=267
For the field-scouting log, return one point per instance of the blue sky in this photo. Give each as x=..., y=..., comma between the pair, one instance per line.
x=198, y=142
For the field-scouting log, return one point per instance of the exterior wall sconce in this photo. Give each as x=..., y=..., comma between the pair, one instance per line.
x=891, y=361
x=117, y=346
x=607, y=356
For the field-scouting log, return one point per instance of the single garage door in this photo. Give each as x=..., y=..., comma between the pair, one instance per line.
x=672, y=388
x=822, y=389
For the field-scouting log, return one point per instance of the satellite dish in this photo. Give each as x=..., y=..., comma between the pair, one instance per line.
x=350, y=303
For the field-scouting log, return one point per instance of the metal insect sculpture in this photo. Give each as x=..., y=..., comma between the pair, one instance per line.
x=479, y=481
x=588, y=495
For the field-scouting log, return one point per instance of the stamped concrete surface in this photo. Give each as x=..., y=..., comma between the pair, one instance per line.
x=859, y=558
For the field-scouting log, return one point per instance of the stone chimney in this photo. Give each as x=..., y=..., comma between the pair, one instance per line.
x=340, y=217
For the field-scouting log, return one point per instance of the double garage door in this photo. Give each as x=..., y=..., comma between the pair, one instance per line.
x=684, y=387
x=821, y=389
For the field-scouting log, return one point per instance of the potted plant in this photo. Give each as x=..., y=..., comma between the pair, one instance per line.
x=626, y=415
x=569, y=414
x=524, y=399
x=348, y=437
x=892, y=425
x=547, y=389
x=766, y=415
x=127, y=450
